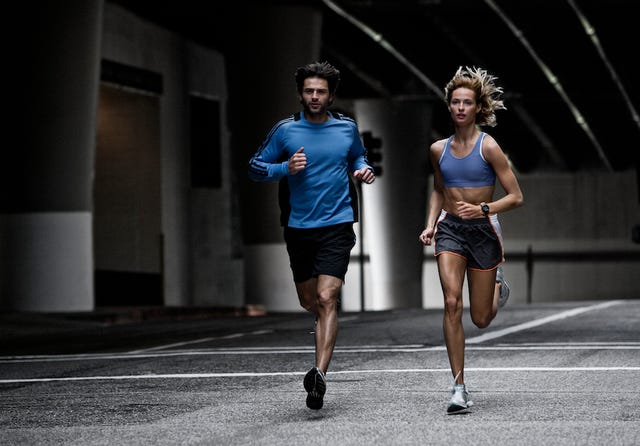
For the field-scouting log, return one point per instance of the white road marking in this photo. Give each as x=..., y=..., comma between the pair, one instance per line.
x=283, y=350
x=344, y=372
x=410, y=348
x=198, y=341
x=229, y=336
x=345, y=350
x=542, y=321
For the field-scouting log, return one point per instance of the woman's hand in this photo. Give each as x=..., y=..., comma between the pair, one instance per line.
x=468, y=210
x=426, y=235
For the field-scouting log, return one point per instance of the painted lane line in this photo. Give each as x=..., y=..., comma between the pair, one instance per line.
x=538, y=322
x=344, y=372
x=197, y=341
x=310, y=350
x=230, y=336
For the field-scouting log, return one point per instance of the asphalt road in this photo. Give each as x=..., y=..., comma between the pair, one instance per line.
x=562, y=373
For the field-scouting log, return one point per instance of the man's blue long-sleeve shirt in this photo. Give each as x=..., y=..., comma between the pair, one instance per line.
x=319, y=194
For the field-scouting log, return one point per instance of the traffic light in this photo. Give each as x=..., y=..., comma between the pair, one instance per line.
x=374, y=151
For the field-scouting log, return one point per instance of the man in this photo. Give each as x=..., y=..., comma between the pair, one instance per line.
x=312, y=153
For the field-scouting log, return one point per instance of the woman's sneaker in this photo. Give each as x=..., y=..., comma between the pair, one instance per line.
x=504, y=288
x=316, y=386
x=460, y=400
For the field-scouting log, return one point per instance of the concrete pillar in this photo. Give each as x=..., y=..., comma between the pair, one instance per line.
x=394, y=207
x=46, y=261
x=273, y=42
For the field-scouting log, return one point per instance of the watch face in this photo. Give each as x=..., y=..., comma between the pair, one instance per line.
x=485, y=209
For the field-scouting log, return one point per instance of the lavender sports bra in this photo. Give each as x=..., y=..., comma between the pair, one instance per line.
x=471, y=171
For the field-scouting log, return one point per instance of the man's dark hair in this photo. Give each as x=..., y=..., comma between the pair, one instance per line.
x=323, y=70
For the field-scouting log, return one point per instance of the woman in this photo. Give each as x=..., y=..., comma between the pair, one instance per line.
x=462, y=218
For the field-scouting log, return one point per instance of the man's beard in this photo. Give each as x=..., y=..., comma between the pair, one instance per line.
x=320, y=111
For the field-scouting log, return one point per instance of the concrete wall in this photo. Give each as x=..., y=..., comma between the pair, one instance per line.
x=216, y=255
x=46, y=258
x=201, y=262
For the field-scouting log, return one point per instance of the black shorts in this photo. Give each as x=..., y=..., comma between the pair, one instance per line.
x=478, y=240
x=318, y=251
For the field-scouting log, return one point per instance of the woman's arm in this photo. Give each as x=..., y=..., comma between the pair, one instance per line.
x=513, y=195
x=436, y=199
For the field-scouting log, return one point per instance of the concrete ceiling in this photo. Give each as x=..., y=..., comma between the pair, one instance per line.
x=571, y=96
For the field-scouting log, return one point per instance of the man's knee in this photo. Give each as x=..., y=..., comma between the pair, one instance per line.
x=308, y=301
x=328, y=297
x=310, y=307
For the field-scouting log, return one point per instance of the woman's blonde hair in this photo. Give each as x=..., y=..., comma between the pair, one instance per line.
x=487, y=92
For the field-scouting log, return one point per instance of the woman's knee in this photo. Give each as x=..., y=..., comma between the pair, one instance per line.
x=452, y=304
x=481, y=320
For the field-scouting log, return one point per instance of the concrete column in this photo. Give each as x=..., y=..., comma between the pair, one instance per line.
x=46, y=261
x=273, y=42
x=394, y=207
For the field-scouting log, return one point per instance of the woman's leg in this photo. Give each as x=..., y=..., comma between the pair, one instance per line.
x=451, y=269
x=484, y=292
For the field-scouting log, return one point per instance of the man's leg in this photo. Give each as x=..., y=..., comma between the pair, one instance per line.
x=328, y=291
x=307, y=295
x=326, y=330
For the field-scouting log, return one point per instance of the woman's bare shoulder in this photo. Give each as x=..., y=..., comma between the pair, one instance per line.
x=438, y=145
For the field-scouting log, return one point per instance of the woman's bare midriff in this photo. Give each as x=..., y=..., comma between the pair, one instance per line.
x=474, y=195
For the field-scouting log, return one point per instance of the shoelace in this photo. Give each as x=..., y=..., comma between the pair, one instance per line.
x=455, y=378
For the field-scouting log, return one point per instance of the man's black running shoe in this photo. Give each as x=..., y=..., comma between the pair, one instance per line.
x=316, y=386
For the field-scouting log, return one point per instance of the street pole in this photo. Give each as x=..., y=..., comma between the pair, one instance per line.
x=361, y=236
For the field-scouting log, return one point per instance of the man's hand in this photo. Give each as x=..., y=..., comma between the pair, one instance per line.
x=297, y=162
x=365, y=175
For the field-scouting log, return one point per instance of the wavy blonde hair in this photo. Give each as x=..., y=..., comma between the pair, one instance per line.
x=487, y=92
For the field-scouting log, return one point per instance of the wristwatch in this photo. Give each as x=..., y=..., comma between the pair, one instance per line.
x=485, y=208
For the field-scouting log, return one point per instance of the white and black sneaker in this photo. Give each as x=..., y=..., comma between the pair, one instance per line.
x=315, y=385
x=460, y=400
x=504, y=288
